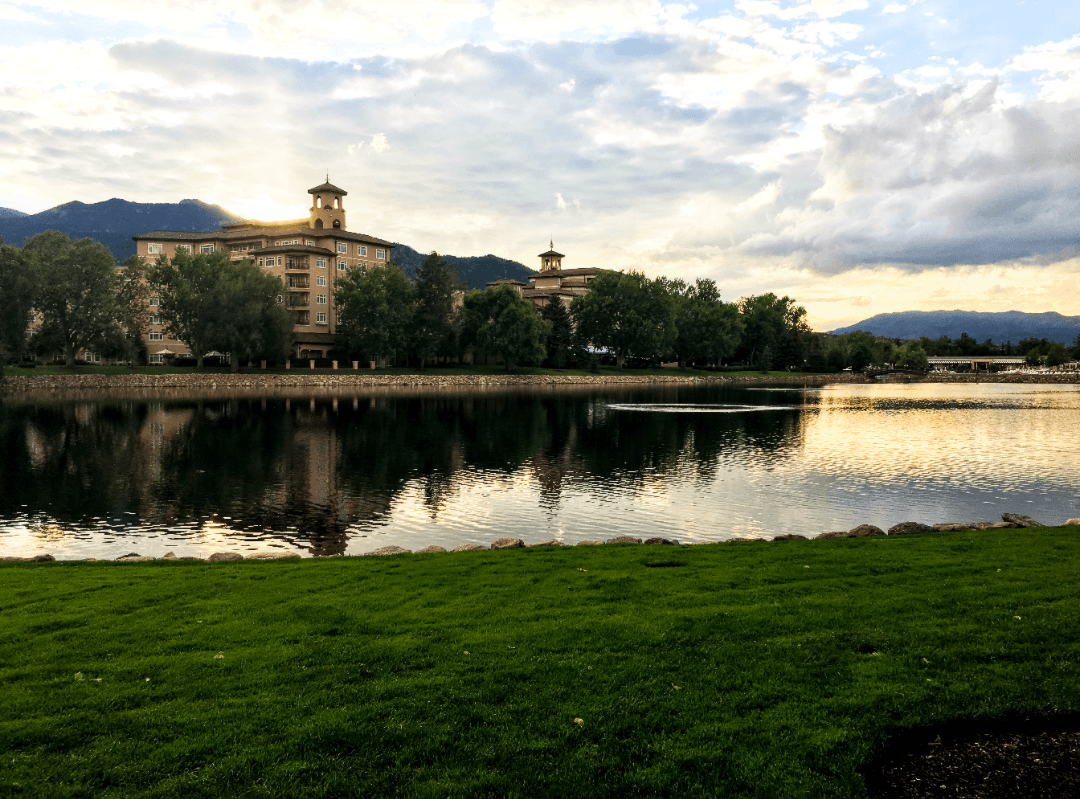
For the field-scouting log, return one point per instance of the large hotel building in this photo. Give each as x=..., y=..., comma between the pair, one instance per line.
x=307, y=254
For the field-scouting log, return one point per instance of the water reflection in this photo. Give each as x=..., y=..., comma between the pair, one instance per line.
x=331, y=474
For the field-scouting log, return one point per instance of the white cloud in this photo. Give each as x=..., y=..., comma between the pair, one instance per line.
x=894, y=8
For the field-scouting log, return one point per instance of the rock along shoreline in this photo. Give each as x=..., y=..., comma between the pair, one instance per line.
x=225, y=382
x=1010, y=521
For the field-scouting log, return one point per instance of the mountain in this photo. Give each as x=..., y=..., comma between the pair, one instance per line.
x=476, y=270
x=999, y=327
x=11, y=213
x=114, y=222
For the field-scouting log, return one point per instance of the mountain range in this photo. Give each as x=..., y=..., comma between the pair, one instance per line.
x=114, y=222
x=998, y=327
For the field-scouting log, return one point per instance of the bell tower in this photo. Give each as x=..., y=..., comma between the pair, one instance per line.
x=551, y=261
x=327, y=209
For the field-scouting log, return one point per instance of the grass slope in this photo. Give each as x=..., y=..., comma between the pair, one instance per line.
x=753, y=670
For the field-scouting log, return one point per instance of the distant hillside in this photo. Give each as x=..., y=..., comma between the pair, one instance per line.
x=477, y=270
x=114, y=222
x=11, y=213
x=998, y=327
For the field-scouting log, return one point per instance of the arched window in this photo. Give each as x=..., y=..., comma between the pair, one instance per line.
x=318, y=224
x=337, y=223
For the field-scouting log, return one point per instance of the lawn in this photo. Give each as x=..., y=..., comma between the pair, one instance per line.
x=749, y=670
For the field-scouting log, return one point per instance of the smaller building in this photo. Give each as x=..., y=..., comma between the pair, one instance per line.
x=975, y=363
x=553, y=281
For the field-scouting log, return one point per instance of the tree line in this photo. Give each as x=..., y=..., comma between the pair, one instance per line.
x=627, y=317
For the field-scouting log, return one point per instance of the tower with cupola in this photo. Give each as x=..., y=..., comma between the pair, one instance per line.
x=327, y=208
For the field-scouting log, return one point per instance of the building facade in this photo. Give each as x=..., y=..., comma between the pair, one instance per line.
x=308, y=255
x=553, y=281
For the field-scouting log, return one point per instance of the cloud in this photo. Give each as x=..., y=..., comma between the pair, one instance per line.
x=894, y=8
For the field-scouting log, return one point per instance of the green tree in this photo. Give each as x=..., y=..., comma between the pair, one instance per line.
x=628, y=314
x=434, y=320
x=708, y=329
x=18, y=288
x=77, y=296
x=501, y=322
x=132, y=293
x=560, y=338
x=912, y=356
x=374, y=310
x=189, y=307
x=1056, y=354
x=247, y=321
x=775, y=324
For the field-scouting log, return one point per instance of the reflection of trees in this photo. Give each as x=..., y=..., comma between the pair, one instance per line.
x=70, y=461
x=314, y=468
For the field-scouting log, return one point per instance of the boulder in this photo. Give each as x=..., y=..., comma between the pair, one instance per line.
x=133, y=558
x=468, y=548
x=1072, y=523
x=551, y=542
x=1002, y=526
x=790, y=537
x=588, y=543
x=623, y=539
x=391, y=550
x=430, y=550
x=910, y=528
x=661, y=542
x=169, y=556
x=224, y=557
x=1020, y=520
x=953, y=527
x=275, y=555
x=864, y=531
x=45, y=558
x=507, y=543
x=743, y=541
x=834, y=534
x=11, y=559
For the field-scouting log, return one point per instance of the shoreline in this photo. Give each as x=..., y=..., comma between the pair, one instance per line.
x=227, y=382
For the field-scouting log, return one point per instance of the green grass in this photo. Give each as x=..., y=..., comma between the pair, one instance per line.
x=755, y=670
x=455, y=370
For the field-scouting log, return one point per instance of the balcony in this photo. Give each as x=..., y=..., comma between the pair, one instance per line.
x=297, y=281
x=297, y=263
x=298, y=299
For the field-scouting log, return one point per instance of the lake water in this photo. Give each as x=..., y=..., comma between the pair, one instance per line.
x=346, y=473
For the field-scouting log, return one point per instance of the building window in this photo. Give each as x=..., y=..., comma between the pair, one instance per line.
x=320, y=299
x=321, y=263
x=380, y=255
x=320, y=280
x=360, y=250
x=280, y=299
x=320, y=319
x=155, y=302
x=303, y=317
x=155, y=249
x=342, y=266
x=309, y=243
x=342, y=247
x=286, y=243
x=206, y=248
x=157, y=337
x=184, y=248
x=157, y=357
x=154, y=319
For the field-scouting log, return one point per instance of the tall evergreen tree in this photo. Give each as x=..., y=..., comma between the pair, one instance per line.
x=560, y=337
x=434, y=319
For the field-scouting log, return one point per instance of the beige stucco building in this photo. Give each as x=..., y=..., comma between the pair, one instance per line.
x=308, y=255
x=553, y=281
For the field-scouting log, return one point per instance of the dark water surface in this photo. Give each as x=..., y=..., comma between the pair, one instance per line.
x=348, y=472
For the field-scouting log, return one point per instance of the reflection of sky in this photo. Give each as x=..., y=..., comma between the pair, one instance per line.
x=836, y=457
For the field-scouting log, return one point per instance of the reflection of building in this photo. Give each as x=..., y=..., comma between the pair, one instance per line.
x=308, y=255
x=553, y=280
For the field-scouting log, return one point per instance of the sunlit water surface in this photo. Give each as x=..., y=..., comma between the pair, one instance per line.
x=346, y=473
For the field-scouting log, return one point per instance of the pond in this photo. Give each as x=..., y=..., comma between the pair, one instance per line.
x=345, y=473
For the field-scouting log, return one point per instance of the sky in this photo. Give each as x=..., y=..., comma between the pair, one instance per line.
x=859, y=156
